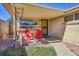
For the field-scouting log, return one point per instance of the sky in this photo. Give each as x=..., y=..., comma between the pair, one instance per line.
x=5, y=15
x=59, y=6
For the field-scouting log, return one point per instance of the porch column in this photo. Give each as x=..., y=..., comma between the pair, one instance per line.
x=18, y=25
x=14, y=24
x=14, y=28
x=73, y=16
x=19, y=14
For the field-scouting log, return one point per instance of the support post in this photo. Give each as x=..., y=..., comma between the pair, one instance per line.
x=14, y=24
x=73, y=16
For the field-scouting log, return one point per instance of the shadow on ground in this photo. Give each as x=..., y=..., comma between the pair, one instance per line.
x=14, y=52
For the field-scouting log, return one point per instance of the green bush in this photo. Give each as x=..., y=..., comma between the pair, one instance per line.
x=40, y=51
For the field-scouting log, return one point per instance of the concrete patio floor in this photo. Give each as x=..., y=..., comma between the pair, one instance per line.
x=62, y=50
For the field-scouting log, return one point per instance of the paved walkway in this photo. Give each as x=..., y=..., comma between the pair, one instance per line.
x=5, y=44
x=62, y=50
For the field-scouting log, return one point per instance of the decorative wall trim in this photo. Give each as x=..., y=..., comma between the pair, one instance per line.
x=73, y=23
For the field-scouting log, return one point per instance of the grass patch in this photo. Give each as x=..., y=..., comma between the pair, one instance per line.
x=14, y=52
x=40, y=51
x=30, y=51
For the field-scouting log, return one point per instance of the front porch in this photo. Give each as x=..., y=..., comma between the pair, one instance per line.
x=39, y=16
x=38, y=13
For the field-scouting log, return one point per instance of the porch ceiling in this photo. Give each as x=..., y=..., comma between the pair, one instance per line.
x=31, y=11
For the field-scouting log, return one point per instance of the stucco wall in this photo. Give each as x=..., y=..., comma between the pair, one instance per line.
x=56, y=27
x=72, y=33
x=4, y=28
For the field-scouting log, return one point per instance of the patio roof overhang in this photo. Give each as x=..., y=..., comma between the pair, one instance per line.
x=31, y=11
x=71, y=11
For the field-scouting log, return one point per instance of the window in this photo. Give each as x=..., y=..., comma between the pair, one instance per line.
x=77, y=16
x=25, y=22
x=68, y=18
x=22, y=27
x=31, y=23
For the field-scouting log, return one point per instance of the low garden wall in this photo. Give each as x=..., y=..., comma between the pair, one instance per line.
x=71, y=34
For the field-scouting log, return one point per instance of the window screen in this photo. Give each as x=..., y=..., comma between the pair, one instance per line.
x=68, y=18
x=77, y=16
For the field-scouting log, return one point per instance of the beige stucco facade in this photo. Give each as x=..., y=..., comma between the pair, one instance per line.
x=4, y=28
x=56, y=27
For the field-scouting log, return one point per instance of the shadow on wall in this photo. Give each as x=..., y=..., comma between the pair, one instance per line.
x=64, y=30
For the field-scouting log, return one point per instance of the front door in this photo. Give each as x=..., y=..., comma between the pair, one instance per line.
x=44, y=24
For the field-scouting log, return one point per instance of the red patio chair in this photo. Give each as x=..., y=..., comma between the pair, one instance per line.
x=27, y=36
x=39, y=35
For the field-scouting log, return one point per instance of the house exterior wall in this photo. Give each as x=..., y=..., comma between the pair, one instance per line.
x=3, y=28
x=56, y=27
x=71, y=34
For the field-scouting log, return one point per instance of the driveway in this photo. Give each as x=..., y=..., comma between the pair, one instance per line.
x=62, y=50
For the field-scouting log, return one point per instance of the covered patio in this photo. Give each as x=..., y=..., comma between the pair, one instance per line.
x=32, y=12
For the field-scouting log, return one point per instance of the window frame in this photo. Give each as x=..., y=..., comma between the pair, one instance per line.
x=76, y=14
x=66, y=19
